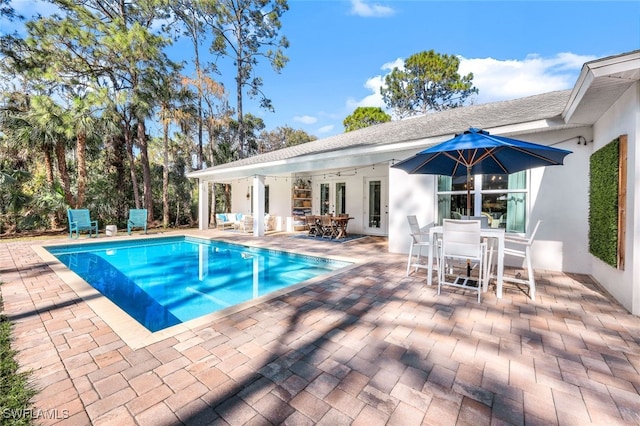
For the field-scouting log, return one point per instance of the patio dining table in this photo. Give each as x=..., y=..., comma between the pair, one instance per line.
x=496, y=234
x=341, y=222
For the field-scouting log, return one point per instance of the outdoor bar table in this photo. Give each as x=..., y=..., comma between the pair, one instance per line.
x=495, y=233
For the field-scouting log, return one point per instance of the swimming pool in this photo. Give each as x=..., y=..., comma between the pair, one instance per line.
x=166, y=281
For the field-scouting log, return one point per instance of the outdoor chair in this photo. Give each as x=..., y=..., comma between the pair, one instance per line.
x=311, y=223
x=246, y=224
x=329, y=229
x=461, y=251
x=80, y=220
x=521, y=247
x=419, y=240
x=484, y=221
x=137, y=219
x=225, y=220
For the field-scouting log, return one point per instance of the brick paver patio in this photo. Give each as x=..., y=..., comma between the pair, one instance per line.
x=365, y=347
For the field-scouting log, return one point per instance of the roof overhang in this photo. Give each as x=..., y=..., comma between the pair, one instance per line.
x=358, y=156
x=600, y=84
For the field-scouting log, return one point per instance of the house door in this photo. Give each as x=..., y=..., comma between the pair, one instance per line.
x=376, y=206
x=333, y=198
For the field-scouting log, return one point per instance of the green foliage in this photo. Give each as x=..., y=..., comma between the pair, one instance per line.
x=282, y=137
x=429, y=81
x=603, y=203
x=94, y=78
x=246, y=31
x=364, y=117
x=15, y=390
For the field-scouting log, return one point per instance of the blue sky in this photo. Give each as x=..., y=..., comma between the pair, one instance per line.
x=340, y=50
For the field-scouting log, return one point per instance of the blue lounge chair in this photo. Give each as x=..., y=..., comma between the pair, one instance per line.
x=79, y=220
x=137, y=219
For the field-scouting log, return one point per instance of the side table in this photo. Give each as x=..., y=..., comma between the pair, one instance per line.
x=111, y=230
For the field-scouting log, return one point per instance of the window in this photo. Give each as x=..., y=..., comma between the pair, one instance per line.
x=375, y=203
x=502, y=198
x=341, y=198
x=325, y=204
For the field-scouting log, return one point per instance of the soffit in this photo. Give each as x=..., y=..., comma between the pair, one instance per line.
x=600, y=85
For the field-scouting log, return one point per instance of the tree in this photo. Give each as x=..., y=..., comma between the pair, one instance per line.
x=246, y=30
x=428, y=82
x=282, y=137
x=173, y=101
x=98, y=47
x=189, y=14
x=7, y=11
x=364, y=117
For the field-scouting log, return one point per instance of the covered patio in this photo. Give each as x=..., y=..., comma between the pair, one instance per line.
x=367, y=346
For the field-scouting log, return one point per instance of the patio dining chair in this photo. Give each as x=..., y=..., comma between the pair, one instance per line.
x=461, y=247
x=329, y=228
x=419, y=240
x=484, y=221
x=311, y=223
x=521, y=247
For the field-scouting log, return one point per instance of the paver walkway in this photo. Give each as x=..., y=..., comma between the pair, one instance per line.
x=365, y=347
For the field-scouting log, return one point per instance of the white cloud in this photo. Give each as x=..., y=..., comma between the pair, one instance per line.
x=374, y=99
x=305, y=119
x=398, y=63
x=326, y=129
x=509, y=79
x=498, y=79
x=367, y=10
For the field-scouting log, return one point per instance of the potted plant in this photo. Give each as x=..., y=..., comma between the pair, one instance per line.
x=299, y=184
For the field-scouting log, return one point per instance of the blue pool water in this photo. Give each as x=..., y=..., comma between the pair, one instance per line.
x=166, y=281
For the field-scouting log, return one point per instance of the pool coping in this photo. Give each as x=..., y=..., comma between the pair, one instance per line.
x=131, y=331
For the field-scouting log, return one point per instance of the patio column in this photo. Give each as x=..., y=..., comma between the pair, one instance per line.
x=258, y=206
x=203, y=205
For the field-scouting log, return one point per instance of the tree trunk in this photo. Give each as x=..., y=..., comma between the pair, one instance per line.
x=241, y=141
x=81, y=153
x=146, y=170
x=64, y=173
x=212, y=211
x=48, y=164
x=132, y=166
x=116, y=161
x=165, y=177
x=200, y=82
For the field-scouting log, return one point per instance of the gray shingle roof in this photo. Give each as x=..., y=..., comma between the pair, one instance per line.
x=532, y=108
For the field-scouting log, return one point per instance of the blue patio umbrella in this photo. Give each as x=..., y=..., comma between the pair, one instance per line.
x=477, y=152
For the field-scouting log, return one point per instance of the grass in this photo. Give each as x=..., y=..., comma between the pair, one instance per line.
x=15, y=390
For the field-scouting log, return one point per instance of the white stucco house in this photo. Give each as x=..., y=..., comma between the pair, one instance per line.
x=352, y=173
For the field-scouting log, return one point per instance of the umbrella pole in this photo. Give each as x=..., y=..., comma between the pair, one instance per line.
x=468, y=192
x=468, y=211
